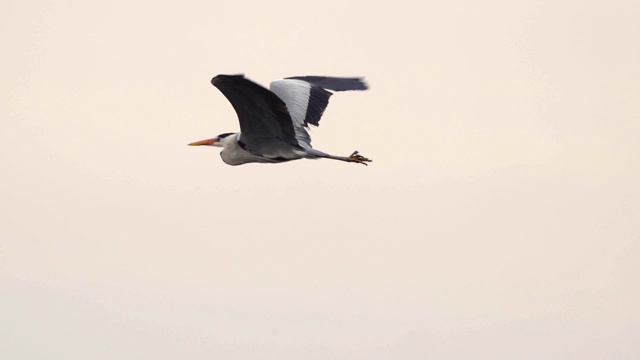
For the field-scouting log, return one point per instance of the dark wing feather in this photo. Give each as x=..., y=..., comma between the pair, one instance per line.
x=264, y=119
x=318, y=101
x=334, y=83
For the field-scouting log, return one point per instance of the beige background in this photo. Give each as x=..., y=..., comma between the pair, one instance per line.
x=499, y=220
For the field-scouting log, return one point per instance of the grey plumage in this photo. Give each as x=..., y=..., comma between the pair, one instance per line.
x=273, y=122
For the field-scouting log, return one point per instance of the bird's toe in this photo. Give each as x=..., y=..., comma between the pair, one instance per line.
x=357, y=158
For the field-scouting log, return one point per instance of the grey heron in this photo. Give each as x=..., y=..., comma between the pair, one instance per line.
x=274, y=122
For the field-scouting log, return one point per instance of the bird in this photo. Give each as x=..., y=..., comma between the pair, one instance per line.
x=274, y=121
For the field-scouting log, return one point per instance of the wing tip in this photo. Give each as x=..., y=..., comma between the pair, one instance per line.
x=223, y=77
x=335, y=83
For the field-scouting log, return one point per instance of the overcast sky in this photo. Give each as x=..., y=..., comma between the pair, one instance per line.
x=500, y=218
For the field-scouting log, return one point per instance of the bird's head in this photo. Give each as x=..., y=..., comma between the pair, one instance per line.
x=220, y=141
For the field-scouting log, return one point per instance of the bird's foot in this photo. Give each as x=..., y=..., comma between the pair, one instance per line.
x=357, y=158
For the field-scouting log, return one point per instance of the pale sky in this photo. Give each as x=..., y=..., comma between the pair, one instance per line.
x=500, y=218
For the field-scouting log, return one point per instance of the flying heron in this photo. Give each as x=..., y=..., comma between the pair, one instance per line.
x=274, y=123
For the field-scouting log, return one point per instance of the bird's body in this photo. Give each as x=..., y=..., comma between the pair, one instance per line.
x=235, y=152
x=273, y=123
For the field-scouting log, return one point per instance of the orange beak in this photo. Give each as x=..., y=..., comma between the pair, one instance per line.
x=204, y=142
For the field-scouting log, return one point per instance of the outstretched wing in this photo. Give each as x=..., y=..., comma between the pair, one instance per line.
x=334, y=83
x=265, y=122
x=306, y=98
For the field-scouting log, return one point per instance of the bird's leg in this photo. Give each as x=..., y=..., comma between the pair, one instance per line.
x=354, y=158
